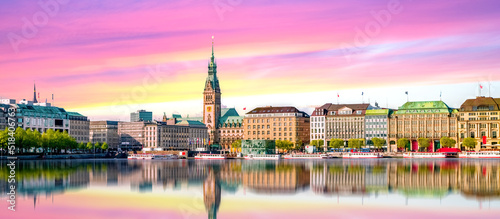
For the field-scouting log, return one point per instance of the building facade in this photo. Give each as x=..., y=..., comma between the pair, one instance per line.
x=346, y=121
x=79, y=127
x=104, y=131
x=377, y=124
x=230, y=128
x=132, y=135
x=423, y=119
x=318, y=124
x=478, y=118
x=41, y=117
x=141, y=115
x=277, y=123
x=169, y=134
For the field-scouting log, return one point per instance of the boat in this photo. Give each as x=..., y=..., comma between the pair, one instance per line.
x=424, y=155
x=263, y=157
x=210, y=156
x=306, y=156
x=480, y=154
x=152, y=156
x=351, y=155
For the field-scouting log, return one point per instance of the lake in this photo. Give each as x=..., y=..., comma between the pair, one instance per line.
x=334, y=188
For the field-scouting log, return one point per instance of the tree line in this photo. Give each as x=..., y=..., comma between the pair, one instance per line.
x=28, y=141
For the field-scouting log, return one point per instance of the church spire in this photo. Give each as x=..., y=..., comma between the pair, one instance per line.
x=212, y=50
x=34, y=93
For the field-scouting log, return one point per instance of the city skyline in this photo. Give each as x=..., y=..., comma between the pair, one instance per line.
x=268, y=54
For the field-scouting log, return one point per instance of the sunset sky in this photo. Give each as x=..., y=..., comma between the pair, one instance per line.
x=107, y=58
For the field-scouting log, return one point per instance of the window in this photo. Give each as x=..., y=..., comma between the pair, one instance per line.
x=472, y=135
x=494, y=134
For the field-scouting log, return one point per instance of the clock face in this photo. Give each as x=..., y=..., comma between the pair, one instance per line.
x=209, y=108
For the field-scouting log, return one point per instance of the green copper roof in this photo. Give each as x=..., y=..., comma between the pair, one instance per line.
x=41, y=111
x=228, y=112
x=230, y=116
x=378, y=112
x=74, y=114
x=176, y=116
x=424, y=107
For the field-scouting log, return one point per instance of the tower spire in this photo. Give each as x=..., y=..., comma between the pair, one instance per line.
x=213, y=49
x=34, y=93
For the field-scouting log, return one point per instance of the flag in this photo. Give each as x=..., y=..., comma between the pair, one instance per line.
x=52, y=96
x=38, y=94
x=440, y=93
x=362, y=93
x=481, y=86
x=338, y=95
x=244, y=108
x=406, y=92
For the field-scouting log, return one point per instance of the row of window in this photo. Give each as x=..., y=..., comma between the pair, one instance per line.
x=274, y=134
x=494, y=134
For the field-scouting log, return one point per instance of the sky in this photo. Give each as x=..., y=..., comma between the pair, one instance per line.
x=107, y=58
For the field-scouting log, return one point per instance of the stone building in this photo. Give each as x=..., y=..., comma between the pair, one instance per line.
x=79, y=127
x=423, y=119
x=478, y=118
x=346, y=121
x=277, y=123
x=104, y=131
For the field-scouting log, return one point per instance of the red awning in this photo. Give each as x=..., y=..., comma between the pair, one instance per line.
x=449, y=150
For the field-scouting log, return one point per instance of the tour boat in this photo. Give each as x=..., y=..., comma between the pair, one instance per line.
x=424, y=155
x=263, y=156
x=210, y=156
x=361, y=155
x=152, y=156
x=306, y=156
x=480, y=154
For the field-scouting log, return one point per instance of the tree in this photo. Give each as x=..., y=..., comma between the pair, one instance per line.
x=90, y=146
x=336, y=143
x=314, y=143
x=321, y=143
x=20, y=135
x=354, y=143
x=279, y=145
x=97, y=145
x=403, y=143
x=105, y=145
x=236, y=144
x=82, y=146
x=299, y=145
x=4, y=139
x=447, y=142
x=378, y=142
x=424, y=143
x=469, y=143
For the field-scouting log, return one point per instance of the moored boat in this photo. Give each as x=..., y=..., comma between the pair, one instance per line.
x=361, y=155
x=306, y=156
x=210, y=156
x=480, y=154
x=152, y=156
x=424, y=155
x=263, y=156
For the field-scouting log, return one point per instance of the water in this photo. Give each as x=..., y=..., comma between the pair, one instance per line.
x=383, y=188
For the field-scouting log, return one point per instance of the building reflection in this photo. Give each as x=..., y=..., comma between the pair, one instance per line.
x=474, y=179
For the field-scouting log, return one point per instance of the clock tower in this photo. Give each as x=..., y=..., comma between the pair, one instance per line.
x=211, y=100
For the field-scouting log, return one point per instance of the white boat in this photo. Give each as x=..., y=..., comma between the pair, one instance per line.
x=263, y=157
x=424, y=155
x=306, y=156
x=210, y=156
x=152, y=156
x=480, y=154
x=350, y=155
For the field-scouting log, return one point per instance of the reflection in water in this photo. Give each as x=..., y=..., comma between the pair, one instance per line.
x=476, y=179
